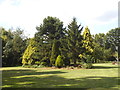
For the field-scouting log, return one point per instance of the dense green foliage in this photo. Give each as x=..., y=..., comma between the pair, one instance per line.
x=113, y=41
x=55, y=52
x=13, y=46
x=59, y=62
x=74, y=40
x=48, y=36
x=52, y=39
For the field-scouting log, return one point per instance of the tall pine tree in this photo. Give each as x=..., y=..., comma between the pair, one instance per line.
x=74, y=40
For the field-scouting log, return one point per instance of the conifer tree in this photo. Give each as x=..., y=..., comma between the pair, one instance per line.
x=50, y=32
x=87, y=41
x=59, y=62
x=87, y=45
x=55, y=52
x=30, y=54
x=74, y=40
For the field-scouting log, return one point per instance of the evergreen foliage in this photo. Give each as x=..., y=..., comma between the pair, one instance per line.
x=13, y=46
x=59, y=62
x=50, y=33
x=55, y=52
x=54, y=45
x=30, y=54
x=74, y=40
x=87, y=41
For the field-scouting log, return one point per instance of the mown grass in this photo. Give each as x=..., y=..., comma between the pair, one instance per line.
x=104, y=75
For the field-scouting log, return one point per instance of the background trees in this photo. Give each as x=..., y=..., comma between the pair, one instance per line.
x=113, y=41
x=13, y=46
x=106, y=45
x=52, y=40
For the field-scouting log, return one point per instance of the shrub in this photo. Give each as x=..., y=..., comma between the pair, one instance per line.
x=41, y=66
x=23, y=65
x=46, y=61
x=66, y=61
x=86, y=60
x=43, y=63
x=37, y=62
x=34, y=66
x=87, y=65
x=26, y=66
x=59, y=62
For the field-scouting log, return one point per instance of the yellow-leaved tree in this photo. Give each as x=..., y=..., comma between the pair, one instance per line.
x=29, y=53
x=88, y=46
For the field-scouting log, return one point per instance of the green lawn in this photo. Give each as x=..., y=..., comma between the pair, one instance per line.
x=101, y=76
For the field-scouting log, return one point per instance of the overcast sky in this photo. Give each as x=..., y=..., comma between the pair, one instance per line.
x=99, y=15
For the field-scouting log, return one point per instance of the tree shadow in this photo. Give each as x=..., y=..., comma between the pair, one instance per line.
x=12, y=77
x=29, y=72
x=104, y=67
x=27, y=79
x=55, y=81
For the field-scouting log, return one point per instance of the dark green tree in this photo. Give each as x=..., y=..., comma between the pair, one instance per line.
x=50, y=32
x=18, y=47
x=55, y=52
x=64, y=50
x=52, y=28
x=100, y=39
x=101, y=54
x=113, y=41
x=13, y=46
x=74, y=40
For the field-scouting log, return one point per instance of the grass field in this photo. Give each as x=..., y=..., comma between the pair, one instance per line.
x=101, y=76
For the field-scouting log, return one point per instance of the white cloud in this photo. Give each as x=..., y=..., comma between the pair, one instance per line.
x=27, y=14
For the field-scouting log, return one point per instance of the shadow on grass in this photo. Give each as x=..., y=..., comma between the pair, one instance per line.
x=104, y=67
x=54, y=81
x=29, y=72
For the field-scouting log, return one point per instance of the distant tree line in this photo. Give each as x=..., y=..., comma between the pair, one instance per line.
x=56, y=45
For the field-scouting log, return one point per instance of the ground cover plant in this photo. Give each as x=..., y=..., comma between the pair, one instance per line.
x=101, y=76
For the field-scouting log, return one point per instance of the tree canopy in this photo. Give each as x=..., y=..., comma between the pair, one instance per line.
x=56, y=45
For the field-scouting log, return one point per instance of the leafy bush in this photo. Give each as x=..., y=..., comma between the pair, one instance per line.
x=59, y=62
x=30, y=66
x=23, y=65
x=86, y=58
x=37, y=62
x=87, y=65
x=43, y=63
x=66, y=61
x=34, y=66
x=26, y=66
x=41, y=66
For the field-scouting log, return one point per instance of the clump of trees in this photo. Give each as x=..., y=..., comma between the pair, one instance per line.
x=13, y=45
x=56, y=45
